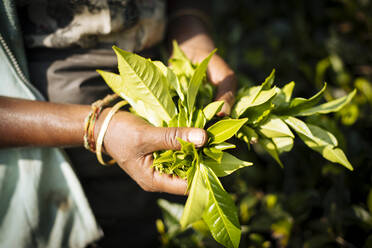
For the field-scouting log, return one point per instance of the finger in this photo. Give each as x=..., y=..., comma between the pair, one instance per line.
x=226, y=94
x=220, y=75
x=166, y=138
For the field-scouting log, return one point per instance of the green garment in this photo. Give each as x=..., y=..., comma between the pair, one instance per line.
x=42, y=203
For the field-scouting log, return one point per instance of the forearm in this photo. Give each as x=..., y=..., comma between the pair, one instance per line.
x=190, y=31
x=36, y=123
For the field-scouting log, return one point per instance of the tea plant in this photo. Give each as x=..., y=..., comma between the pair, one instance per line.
x=167, y=97
x=272, y=113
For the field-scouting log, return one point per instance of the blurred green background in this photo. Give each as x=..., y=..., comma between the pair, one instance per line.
x=311, y=202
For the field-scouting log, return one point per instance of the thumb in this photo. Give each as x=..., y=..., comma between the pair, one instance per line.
x=165, y=138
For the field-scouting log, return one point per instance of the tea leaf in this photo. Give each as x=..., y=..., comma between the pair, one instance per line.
x=283, y=144
x=228, y=164
x=200, y=120
x=271, y=148
x=332, y=106
x=269, y=81
x=224, y=129
x=197, y=200
x=177, y=53
x=213, y=153
x=224, y=146
x=275, y=127
x=319, y=140
x=196, y=81
x=115, y=82
x=220, y=213
x=256, y=96
x=258, y=114
x=303, y=103
x=147, y=85
x=211, y=109
x=283, y=96
x=172, y=79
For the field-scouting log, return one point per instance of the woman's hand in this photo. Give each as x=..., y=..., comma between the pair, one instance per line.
x=191, y=33
x=131, y=141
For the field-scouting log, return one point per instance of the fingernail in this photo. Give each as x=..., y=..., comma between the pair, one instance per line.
x=196, y=136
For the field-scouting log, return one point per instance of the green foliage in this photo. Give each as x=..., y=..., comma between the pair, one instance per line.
x=311, y=199
x=154, y=91
x=275, y=136
x=167, y=96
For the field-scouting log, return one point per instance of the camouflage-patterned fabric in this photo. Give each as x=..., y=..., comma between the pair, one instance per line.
x=130, y=24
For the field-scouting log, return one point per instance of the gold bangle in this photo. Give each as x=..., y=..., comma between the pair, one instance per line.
x=103, y=130
x=91, y=119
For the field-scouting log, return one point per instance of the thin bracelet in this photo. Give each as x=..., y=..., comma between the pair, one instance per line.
x=90, y=121
x=103, y=130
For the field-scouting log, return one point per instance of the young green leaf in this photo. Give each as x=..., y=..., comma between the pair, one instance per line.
x=197, y=200
x=259, y=113
x=319, y=140
x=115, y=82
x=172, y=79
x=220, y=213
x=211, y=109
x=146, y=84
x=283, y=144
x=224, y=129
x=228, y=164
x=200, y=120
x=283, y=96
x=177, y=53
x=316, y=134
x=196, y=81
x=182, y=118
x=269, y=81
x=256, y=96
x=336, y=155
x=224, y=146
x=329, y=152
x=213, y=153
x=271, y=148
x=275, y=127
x=332, y=106
x=299, y=103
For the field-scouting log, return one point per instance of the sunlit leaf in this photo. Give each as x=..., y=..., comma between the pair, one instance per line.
x=224, y=146
x=319, y=140
x=196, y=201
x=213, y=108
x=196, y=81
x=224, y=129
x=275, y=127
x=213, y=153
x=255, y=97
x=270, y=147
x=146, y=85
x=228, y=164
x=332, y=106
x=283, y=144
x=220, y=214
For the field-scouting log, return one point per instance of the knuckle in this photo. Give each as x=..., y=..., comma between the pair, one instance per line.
x=170, y=135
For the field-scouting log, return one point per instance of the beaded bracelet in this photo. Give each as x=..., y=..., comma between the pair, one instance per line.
x=103, y=131
x=91, y=119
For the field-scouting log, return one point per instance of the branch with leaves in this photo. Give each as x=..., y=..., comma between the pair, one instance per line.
x=180, y=96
